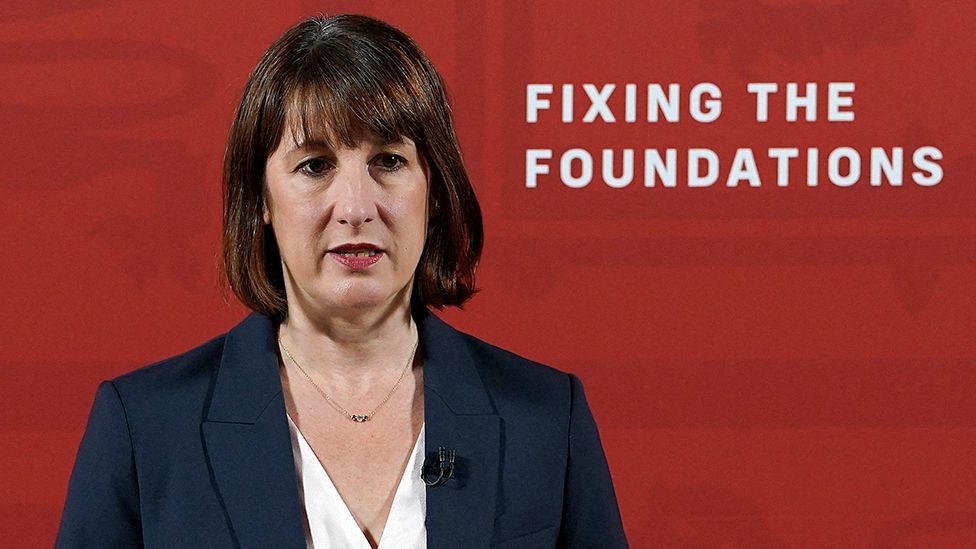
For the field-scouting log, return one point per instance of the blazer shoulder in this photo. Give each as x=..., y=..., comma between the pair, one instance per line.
x=165, y=388
x=514, y=379
x=187, y=365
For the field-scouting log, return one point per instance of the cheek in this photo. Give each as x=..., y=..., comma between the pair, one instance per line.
x=415, y=215
x=296, y=229
x=409, y=207
x=410, y=217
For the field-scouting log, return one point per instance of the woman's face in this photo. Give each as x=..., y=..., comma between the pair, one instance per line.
x=350, y=223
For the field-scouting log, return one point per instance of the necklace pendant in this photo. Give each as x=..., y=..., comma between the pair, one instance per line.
x=358, y=418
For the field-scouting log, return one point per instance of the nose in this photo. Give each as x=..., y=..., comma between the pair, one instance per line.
x=355, y=204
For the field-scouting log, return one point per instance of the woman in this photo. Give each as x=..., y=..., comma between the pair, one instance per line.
x=342, y=412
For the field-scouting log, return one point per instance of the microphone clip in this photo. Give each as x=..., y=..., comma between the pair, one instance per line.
x=439, y=473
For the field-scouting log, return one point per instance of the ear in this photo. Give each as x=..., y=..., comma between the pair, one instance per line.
x=265, y=214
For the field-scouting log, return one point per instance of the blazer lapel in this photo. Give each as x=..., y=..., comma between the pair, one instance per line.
x=248, y=445
x=459, y=416
x=247, y=442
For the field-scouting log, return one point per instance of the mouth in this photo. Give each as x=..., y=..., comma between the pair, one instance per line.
x=356, y=253
x=356, y=256
x=356, y=248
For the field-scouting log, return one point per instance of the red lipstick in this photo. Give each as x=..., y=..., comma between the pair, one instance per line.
x=357, y=256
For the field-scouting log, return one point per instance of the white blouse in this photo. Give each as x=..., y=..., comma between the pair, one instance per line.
x=328, y=522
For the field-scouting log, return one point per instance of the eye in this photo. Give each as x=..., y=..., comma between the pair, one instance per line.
x=390, y=162
x=313, y=167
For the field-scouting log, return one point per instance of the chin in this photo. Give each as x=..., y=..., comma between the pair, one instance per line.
x=359, y=295
x=360, y=298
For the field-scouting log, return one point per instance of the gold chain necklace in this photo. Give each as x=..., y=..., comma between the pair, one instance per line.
x=358, y=418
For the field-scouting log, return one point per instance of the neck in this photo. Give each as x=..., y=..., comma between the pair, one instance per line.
x=353, y=348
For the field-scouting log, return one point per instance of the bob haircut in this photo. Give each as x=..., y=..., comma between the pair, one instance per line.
x=344, y=78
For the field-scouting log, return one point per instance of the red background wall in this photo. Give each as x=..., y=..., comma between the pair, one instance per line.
x=769, y=367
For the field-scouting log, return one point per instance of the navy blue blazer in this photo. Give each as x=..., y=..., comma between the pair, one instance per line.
x=194, y=451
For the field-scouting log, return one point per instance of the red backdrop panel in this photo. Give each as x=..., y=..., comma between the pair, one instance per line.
x=769, y=367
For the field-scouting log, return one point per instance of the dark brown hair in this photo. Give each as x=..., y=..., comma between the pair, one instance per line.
x=345, y=77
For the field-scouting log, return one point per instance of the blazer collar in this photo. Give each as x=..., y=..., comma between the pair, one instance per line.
x=248, y=445
x=248, y=381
